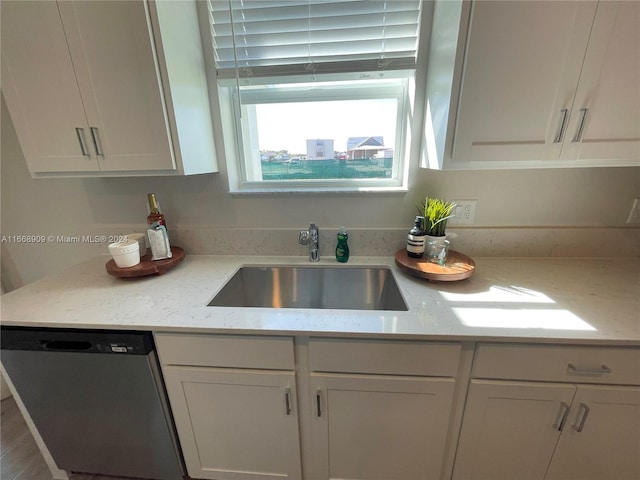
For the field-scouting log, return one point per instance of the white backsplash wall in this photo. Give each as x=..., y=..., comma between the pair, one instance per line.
x=555, y=212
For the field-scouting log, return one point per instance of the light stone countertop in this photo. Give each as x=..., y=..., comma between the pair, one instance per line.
x=546, y=300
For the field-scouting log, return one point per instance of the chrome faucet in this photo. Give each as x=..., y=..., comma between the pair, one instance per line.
x=311, y=237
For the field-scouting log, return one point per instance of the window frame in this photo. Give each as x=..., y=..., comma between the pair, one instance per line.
x=399, y=86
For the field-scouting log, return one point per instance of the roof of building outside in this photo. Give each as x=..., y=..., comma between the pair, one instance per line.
x=355, y=142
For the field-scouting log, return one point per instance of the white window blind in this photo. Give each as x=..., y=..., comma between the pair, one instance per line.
x=266, y=38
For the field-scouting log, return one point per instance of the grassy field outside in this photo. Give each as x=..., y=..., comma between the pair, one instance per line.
x=327, y=169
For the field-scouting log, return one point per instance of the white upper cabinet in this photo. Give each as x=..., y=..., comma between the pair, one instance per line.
x=119, y=84
x=523, y=62
x=534, y=85
x=605, y=121
x=92, y=87
x=39, y=85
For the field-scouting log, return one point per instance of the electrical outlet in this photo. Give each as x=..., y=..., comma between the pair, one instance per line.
x=465, y=212
x=634, y=214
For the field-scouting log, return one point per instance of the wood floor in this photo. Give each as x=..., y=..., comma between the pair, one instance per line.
x=20, y=458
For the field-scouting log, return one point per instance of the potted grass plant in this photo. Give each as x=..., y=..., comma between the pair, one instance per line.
x=436, y=212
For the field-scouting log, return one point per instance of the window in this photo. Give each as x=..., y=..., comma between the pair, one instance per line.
x=317, y=92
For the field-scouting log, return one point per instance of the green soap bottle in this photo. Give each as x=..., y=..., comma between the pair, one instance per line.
x=342, y=249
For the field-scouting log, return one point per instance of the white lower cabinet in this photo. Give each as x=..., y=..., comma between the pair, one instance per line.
x=508, y=430
x=267, y=407
x=576, y=428
x=379, y=427
x=381, y=409
x=248, y=408
x=236, y=424
x=234, y=403
x=602, y=437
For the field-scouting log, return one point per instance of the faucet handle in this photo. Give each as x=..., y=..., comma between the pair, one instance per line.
x=303, y=239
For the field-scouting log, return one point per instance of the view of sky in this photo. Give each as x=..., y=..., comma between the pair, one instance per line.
x=287, y=126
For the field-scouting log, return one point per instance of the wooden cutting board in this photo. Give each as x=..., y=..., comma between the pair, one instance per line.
x=457, y=267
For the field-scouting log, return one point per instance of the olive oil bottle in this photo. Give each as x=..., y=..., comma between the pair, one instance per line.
x=154, y=211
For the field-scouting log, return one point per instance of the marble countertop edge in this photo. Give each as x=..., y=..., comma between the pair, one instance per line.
x=508, y=299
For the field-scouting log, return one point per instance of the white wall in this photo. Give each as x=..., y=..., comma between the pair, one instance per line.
x=554, y=197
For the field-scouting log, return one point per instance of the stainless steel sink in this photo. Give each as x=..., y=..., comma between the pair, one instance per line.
x=354, y=288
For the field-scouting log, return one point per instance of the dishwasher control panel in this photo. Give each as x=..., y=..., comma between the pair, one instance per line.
x=80, y=341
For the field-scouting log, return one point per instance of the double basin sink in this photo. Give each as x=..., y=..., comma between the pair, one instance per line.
x=352, y=288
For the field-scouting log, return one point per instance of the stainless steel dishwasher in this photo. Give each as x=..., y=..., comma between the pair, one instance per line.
x=97, y=399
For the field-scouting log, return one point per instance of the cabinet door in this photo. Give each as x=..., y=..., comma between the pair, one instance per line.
x=40, y=88
x=602, y=436
x=235, y=424
x=510, y=429
x=605, y=121
x=111, y=44
x=379, y=427
x=522, y=66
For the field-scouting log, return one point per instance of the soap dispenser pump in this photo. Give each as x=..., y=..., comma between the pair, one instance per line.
x=342, y=248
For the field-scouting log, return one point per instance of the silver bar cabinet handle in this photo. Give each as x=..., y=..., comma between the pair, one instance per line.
x=82, y=141
x=318, y=403
x=582, y=417
x=583, y=117
x=96, y=141
x=562, y=416
x=600, y=370
x=287, y=401
x=563, y=125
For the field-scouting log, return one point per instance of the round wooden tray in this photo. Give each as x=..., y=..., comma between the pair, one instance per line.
x=457, y=267
x=146, y=265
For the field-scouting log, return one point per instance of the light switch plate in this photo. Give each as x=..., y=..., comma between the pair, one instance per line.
x=465, y=212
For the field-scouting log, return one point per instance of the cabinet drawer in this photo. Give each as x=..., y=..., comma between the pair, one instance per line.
x=558, y=363
x=384, y=357
x=236, y=351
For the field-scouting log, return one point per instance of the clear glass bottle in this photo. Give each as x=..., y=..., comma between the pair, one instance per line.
x=342, y=248
x=416, y=239
x=154, y=211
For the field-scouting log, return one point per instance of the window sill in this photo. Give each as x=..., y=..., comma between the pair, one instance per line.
x=275, y=191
